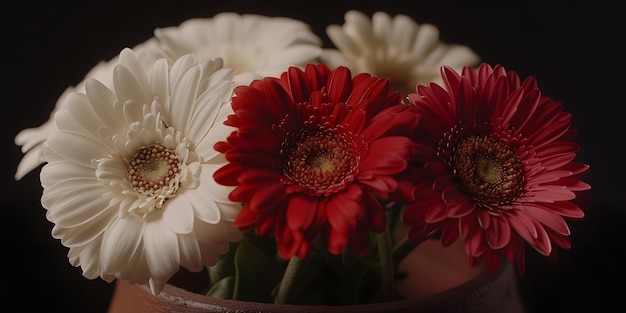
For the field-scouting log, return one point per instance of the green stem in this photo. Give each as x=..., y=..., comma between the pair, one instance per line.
x=294, y=269
x=386, y=263
x=401, y=250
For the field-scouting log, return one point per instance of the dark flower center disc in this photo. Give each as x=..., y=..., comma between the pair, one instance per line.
x=322, y=161
x=488, y=170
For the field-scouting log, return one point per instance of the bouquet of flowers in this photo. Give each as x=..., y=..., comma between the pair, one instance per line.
x=295, y=173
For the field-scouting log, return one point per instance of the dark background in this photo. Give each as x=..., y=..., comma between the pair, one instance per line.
x=574, y=49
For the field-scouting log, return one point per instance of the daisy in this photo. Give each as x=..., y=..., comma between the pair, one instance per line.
x=313, y=153
x=31, y=139
x=254, y=45
x=395, y=47
x=128, y=180
x=497, y=166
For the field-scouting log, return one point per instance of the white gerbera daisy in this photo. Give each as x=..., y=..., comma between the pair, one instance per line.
x=30, y=139
x=129, y=176
x=398, y=48
x=254, y=45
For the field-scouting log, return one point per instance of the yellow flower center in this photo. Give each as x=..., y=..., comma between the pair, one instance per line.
x=153, y=171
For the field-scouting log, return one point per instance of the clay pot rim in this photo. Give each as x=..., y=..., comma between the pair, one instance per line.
x=194, y=302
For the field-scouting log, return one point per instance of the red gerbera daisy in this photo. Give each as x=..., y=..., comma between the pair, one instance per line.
x=313, y=153
x=496, y=166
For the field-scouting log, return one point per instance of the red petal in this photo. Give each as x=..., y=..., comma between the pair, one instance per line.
x=452, y=196
x=564, y=208
x=499, y=233
x=474, y=246
x=279, y=102
x=317, y=75
x=343, y=210
x=396, y=117
x=548, y=177
x=301, y=212
x=436, y=212
x=549, y=194
x=559, y=240
x=507, y=109
x=452, y=81
x=555, y=130
x=227, y=175
x=465, y=104
x=523, y=225
x=449, y=235
x=484, y=218
x=339, y=85
x=246, y=218
x=545, y=113
x=369, y=95
x=297, y=84
x=557, y=160
x=337, y=241
x=557, y=148
x=468, y=227
x=549, y=219
x=461, y=209
x=542, y=243
x=435, y=168
x=268, y=196
x=525, y=109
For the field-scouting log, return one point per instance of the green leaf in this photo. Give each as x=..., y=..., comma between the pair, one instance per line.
x=348, y=257
x=257, y=273
x=225, y=265
x=223, y=289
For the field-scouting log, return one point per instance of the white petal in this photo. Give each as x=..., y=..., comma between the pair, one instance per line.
x=204, y=207
x=458, y=56
x=210, y=234
x=32, y=137
x=161, y=248
x=84, y=234
x=205, y=148
x=250, y=43
x=394, y=47
x=129, y=90
x=183, y=98
x=128, y=59
x=121, y=242
x=426, y=40
x=88, y=259
x=402, y=32
x=72, y=208
x=334, y=58
x=180, y=67
x=102, y=100
x=359, y=27
x=111, y=170
x=178, y=215
x=31, y=160
x=344, y=43
x=75, y=147
x=156, y=286
x=161, y=80
x=219, y=193
x=190, y=255
x=210, y=114
x=59, y=171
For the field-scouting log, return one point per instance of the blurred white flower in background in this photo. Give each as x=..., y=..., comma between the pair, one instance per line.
x=395, y=47
x=255, y=46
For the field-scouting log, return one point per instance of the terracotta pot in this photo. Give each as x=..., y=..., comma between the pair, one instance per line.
x=439, y=280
